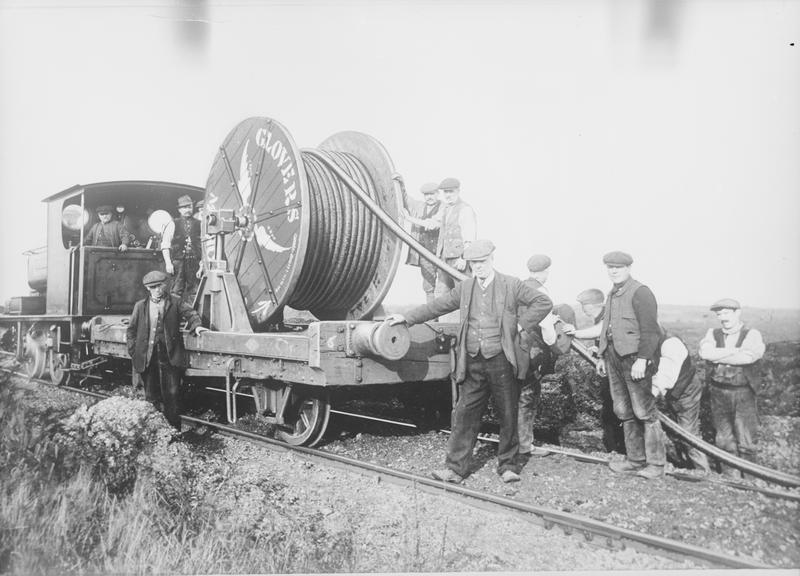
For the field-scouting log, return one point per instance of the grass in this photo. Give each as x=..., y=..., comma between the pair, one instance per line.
x=58, y=515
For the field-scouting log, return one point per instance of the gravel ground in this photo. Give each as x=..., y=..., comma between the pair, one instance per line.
x=393, y=528
x=704, y=514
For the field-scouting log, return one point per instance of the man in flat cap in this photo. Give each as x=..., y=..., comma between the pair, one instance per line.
x=155, y=344
x=629, y=339
x=732, y=353
x=426, y=219
x=182, y=250
x=108, y=232
x=458, y=229
x=535, y=358
x=485, y=356
x=592, y=303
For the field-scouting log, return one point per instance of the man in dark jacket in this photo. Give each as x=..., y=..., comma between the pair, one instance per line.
x=107, y=232
x=628, y=341
x=486, y=360
x=155, y=343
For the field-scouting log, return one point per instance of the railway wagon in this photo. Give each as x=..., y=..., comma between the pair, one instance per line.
x=289, y=234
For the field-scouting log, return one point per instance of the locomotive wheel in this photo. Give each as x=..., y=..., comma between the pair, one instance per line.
x=308, y=418
x=57, y=366
x=34, y=358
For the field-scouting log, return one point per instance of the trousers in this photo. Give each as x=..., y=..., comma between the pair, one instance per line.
x=162, y=383
x=735, y=417
x=635, y=405
x=185, y=282
x=485, y=377
x=687, y=414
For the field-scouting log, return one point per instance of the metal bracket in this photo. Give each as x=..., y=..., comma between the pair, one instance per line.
x=234, y=364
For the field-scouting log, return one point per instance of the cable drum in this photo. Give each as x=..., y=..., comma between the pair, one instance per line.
x=308, y=241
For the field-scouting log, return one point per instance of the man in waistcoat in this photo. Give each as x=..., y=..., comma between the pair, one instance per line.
x=628, y=341
x=732, y=353
x=182, y=250
x=486, y=361
x=155, y=343
x=426, y=220
x=108, y=232
x=458, y=230
x=674, y=379
x=536, y=359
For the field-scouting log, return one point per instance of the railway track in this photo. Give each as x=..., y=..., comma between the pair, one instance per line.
x=578, y=456
x=571, y=524
x=593, y=531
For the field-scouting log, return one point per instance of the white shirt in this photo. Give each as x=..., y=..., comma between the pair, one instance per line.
x=752, y=346
x=548, y=324
x=673, y=355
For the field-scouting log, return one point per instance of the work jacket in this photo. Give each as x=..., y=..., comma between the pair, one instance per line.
x=510, y=293
x=138, y=332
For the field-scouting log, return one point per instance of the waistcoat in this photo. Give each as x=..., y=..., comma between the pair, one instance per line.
x=687, y=371
x=483, y=323
x=620, y=320
x=746, y=375
x=186, y=239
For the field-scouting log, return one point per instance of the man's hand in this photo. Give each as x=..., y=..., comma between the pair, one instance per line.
x=638, y=369
x=460, y=264
x=123, y=248
x=567, y=328
x=395, y=319
x=199, y=273
x=657, y=392
x=199, y=330
x=601, y=368
x=170, y=268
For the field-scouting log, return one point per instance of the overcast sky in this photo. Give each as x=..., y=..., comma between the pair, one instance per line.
x=667, y=129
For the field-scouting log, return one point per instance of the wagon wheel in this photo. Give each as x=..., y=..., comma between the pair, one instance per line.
x=58, y=366
x=308, y=418
x=34, y=359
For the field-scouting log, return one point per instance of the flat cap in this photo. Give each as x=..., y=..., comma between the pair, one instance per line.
x=539, y=262
x=725, y=303
x=591, y=296
x=105, y=208
x=429, y=188
x=185, y=200
x=617, y=259
x=154, y=277
x=478, y=250
x=449, y=184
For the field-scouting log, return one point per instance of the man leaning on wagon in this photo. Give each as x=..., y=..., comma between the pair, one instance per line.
x=155, y=344
x=628, y=341
x=732, y=353
x=486, y=361
x=108, y=232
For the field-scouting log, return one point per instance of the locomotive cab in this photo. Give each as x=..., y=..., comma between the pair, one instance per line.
x=90, y=280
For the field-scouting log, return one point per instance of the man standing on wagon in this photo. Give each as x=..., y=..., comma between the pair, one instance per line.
x=108, y=232
x=486, y=362
x=182, y=249
x=155, y=344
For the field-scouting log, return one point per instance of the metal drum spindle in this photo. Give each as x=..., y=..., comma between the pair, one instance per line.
x=307, y=240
